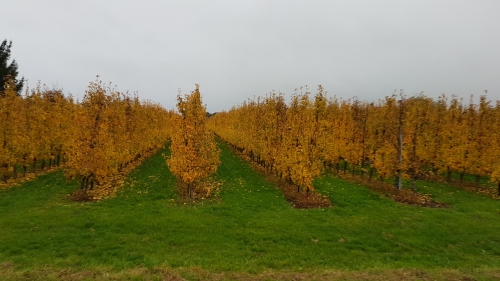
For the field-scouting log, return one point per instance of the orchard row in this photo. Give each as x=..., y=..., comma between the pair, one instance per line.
x=399, y=136
x=95, y=138
x=396, y=137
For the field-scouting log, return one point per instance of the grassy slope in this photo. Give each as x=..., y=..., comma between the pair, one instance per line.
x=251, y=229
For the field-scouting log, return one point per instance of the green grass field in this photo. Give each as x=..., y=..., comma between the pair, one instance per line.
x=249, y=233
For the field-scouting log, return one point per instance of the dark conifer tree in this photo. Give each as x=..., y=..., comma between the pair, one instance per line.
x=8, y=71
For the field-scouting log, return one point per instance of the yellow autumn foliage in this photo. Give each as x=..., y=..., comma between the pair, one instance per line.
x=194, y=152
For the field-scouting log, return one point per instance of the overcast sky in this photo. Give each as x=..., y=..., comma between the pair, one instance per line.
x=239, y=49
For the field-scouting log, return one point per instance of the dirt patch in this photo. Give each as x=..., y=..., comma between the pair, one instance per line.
x=205, y=189
x=108, y=187
x=195, y=273
x=300, y=200
x=296, y=197
x=20, y=179
x=316, y=200
x=469, y=186
x=405, y=196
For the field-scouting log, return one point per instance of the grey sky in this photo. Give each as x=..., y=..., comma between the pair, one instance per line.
x=238, y=49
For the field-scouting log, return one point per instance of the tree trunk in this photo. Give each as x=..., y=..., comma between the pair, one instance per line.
x=190, y=191
x=345, y=167
x=371, y=174
x=83, y=183
x=6, y=167
x=5, y=176
x=399, y=182
x=498, y=189
x=462, y=177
